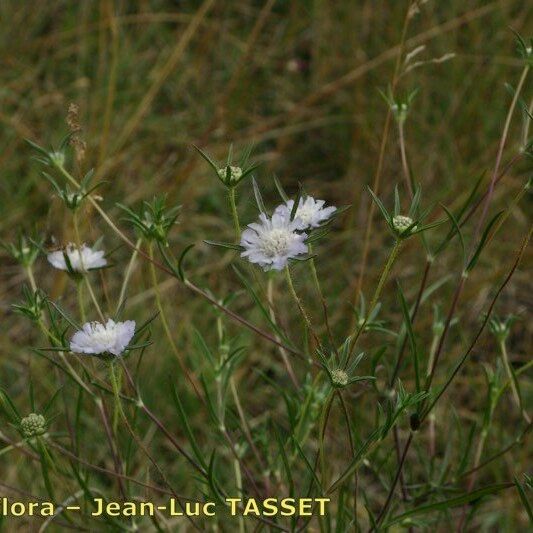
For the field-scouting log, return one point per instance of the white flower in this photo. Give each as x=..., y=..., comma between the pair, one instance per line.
x=80, y=259
x=271, y=242
x=97, y=338
x=311, y=212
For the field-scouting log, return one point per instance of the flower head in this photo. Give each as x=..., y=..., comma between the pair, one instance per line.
x=401, y=223
x=33, y=425
x=339, y=377
x=310, y=212
x=79, y=259
x=271, y=242
x=235, y=173
x=96, y=338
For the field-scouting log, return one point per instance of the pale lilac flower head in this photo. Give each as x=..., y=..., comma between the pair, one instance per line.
x=271, y=242
x=96, y=338
x=310, y=212
x=81, y=259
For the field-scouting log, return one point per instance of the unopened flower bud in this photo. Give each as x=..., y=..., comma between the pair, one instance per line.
x=400, y=223
x=339, y=377
x=33, y=425
x=235, y=173
x=57, y=158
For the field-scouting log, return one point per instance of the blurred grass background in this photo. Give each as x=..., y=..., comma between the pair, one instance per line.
x=298, y=79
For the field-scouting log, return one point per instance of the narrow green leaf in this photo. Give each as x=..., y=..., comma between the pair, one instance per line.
x=411, y=336
x=181, y=259
x=211, y=163
x=229, y=245
x=280, y=189
x=186, y=426
x=483, y=241
x=450, y=503
x=281, y=447
x=525, y=501
x=458, y=231
x=378, y=202
x=258, y=197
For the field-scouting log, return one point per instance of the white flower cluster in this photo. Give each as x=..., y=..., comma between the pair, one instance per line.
x=271, y=242
x=81, y=259
x=96, y=338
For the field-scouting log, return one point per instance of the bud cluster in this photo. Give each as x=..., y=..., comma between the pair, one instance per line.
x=33, y=425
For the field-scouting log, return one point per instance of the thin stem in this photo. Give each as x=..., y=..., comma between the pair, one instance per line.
x=405, y=166
x=245, y=426
x=323, y=424
x=84, y=271
x=234, y=213
x=499, y=155
x=419, y=295
x=93, y=297
x=472, y=479
x=81, y=300
x=299, y=303
x=353, y=453
x=31, y=277
x=447, y=324
x=385, y=507
x=322, y=299
x=286, y=362
x=166, y=327
x=512, y=380
x=238, y=484
x=127, y=276
x=384, y=276
x=377, y=293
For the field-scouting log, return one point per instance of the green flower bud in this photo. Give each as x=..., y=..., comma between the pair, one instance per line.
x=400, y=223
x=235, y=173
x=33, y=425
x=339, y=377
x=57, y=158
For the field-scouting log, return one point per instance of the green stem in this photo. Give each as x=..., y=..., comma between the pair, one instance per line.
x=129, y=271
x=234, y=214
x=31, y=278
x=81, y=302
x=314, y=273
x=166, y=326
x=286, y=362
x=513, y=381
x=93, y=298
x=297, y=299
x=384, y=275
x=115, y=376
x=323, y=424
x=85, y=277
x=377, y=293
